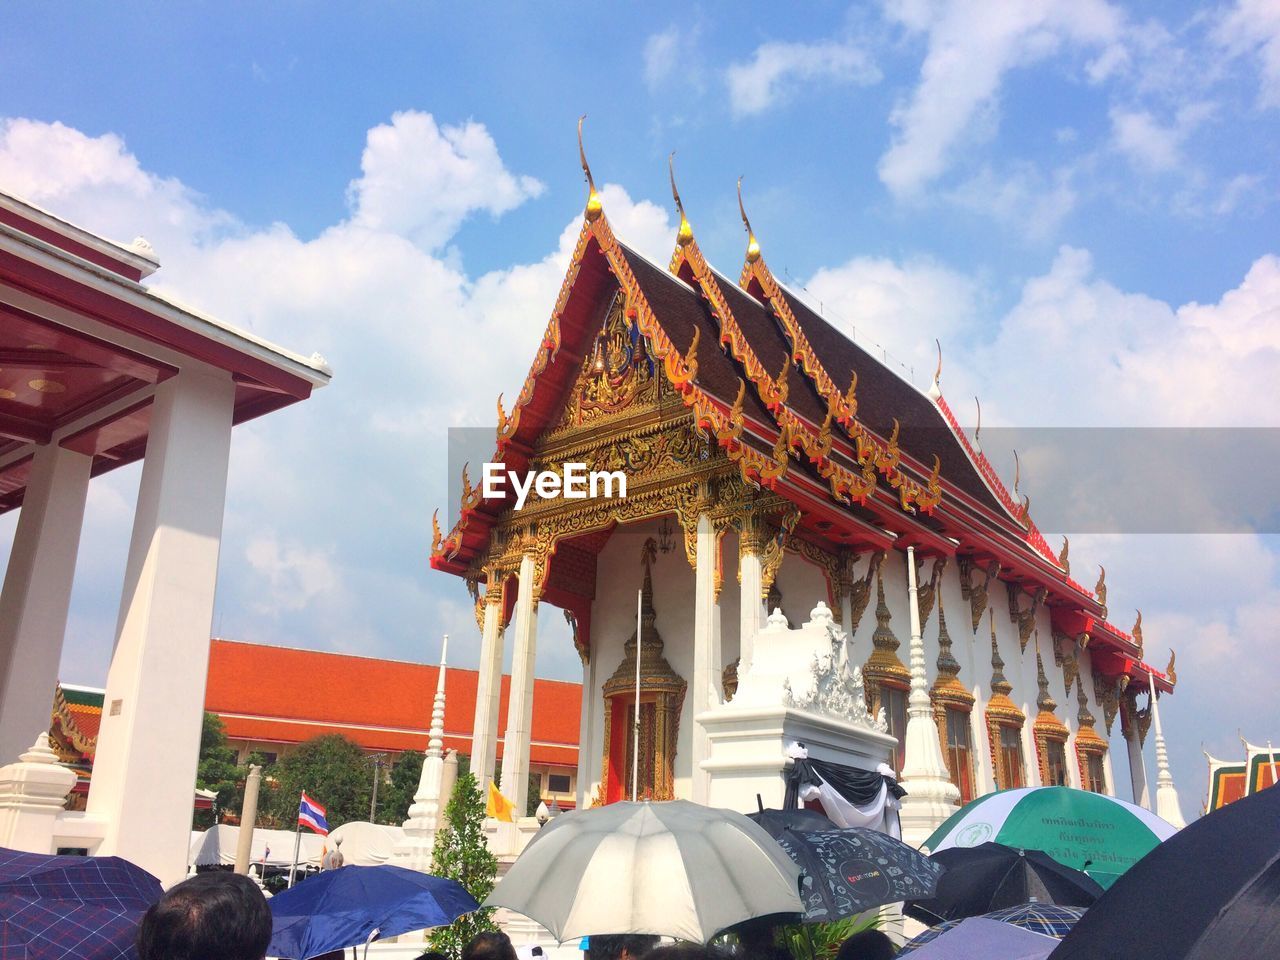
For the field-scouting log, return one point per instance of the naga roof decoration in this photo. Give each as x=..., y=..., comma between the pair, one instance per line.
x=763, y=375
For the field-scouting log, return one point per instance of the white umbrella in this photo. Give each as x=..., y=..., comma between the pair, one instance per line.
x=677, y=869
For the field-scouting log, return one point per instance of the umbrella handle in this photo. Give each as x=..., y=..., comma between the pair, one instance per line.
x=373, y=935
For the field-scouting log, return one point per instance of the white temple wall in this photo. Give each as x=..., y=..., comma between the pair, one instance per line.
x=802, y=584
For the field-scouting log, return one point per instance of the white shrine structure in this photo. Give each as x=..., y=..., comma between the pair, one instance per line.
x=98, y=370
x=829, y=564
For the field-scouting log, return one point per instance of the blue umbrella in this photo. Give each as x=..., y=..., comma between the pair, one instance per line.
x=86, y=908
x=352, y=905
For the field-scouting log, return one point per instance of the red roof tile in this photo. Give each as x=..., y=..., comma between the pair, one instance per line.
x=287, y=695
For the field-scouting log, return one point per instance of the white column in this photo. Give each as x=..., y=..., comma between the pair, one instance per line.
x=1137, y=767
x=484, y=730
x=931, y=796
x=424, y=814
x=144, y=771
x=1167, y=805
x=515, y=749
x=586, y=732
x=706, y=672
x=750, y=601
x=37, y=592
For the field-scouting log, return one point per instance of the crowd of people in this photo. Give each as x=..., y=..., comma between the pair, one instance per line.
x=224, y=916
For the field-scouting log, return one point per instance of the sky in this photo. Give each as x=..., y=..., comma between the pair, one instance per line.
x=1077, y=198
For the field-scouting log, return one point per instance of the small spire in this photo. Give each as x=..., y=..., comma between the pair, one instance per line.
x=1017, y=473
x=594, y=206
x=753, y=248
x=998, y=682
x=685, y=236
x=977, y=431
x=935, y=388
x=1044, y=701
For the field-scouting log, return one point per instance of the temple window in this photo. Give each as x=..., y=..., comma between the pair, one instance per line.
x=1010, y=771
x=894, y=701
x=959, y=752
x=1096, y=774
x=1056, y=763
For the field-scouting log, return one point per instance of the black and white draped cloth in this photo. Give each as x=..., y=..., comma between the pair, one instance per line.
x=850, y=797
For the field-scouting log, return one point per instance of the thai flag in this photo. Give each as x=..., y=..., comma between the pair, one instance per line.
x=311, y=814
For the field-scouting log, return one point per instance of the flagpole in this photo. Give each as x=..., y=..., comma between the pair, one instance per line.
x=297, y=846
x=635, y=734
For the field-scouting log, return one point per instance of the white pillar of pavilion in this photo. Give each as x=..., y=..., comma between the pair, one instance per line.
x=484, y=737
x=931, y=796
x=37, y=593
x=515, y=748
x=706, y=666
x=1167, y=805
x=586, y=728
x=145, y=767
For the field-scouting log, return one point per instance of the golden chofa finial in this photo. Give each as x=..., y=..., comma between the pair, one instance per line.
x=935, y=388
x=753, y=248
x=594, y=206
x=685, y=236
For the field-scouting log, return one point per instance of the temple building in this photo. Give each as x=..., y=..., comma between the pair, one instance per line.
x=824, y=559
x=1232, y=780
x=270, y=699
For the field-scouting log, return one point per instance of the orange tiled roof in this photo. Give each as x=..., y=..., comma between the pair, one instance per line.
x=287, y=695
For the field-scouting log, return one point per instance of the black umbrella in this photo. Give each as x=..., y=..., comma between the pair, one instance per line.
x=848, y=871
x=1211, y=890
x=992, y=876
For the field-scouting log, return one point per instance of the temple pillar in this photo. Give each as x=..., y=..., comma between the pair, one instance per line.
x=144, y=770
x=515, y=748
x=931, y=796
x=706, y=669
x=1167, y=805
x=37, y=593
x=484, y=730
x=588, y=758
x=750, y=602
x=1133, y=743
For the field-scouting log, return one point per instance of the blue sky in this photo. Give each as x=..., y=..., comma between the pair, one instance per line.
x=1078, y=198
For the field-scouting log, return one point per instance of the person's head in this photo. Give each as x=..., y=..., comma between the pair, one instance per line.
x=684, y=951
x=867, y=945
x=490, y=945
x=622, y=946
x=211, y=916
x=432, y=955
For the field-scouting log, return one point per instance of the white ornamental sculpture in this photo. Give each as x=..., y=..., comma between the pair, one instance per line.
x=833, y=685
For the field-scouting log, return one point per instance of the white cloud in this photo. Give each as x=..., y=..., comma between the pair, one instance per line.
x=349, y=478
x=1021, y=196
x=778, y=69
x=899, y=308
x=1252, y=28
x=295, y=574
x=1151, y=146
x=971, y=46
x=662, y=56
x=420, y=180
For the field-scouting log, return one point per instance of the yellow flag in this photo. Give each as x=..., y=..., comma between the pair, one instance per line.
x=498, y=806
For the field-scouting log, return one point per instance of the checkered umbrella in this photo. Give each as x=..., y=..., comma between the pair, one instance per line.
x=1049, y=919
x=77, y=908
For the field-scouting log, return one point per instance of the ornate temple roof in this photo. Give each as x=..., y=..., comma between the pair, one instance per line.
x=805, y=411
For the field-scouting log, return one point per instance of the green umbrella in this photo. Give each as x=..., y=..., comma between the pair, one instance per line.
x=1100, y=835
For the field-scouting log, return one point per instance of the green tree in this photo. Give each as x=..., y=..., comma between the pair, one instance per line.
x=333, y=772
x=533, y=796
x=461, y=854
x=217, y=771
x=396, y=796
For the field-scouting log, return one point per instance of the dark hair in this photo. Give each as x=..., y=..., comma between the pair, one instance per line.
x=432, y=955
x=867, y=945
x=611, y=946
x=211, y=916
x=490, y=945
x=684, y=951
